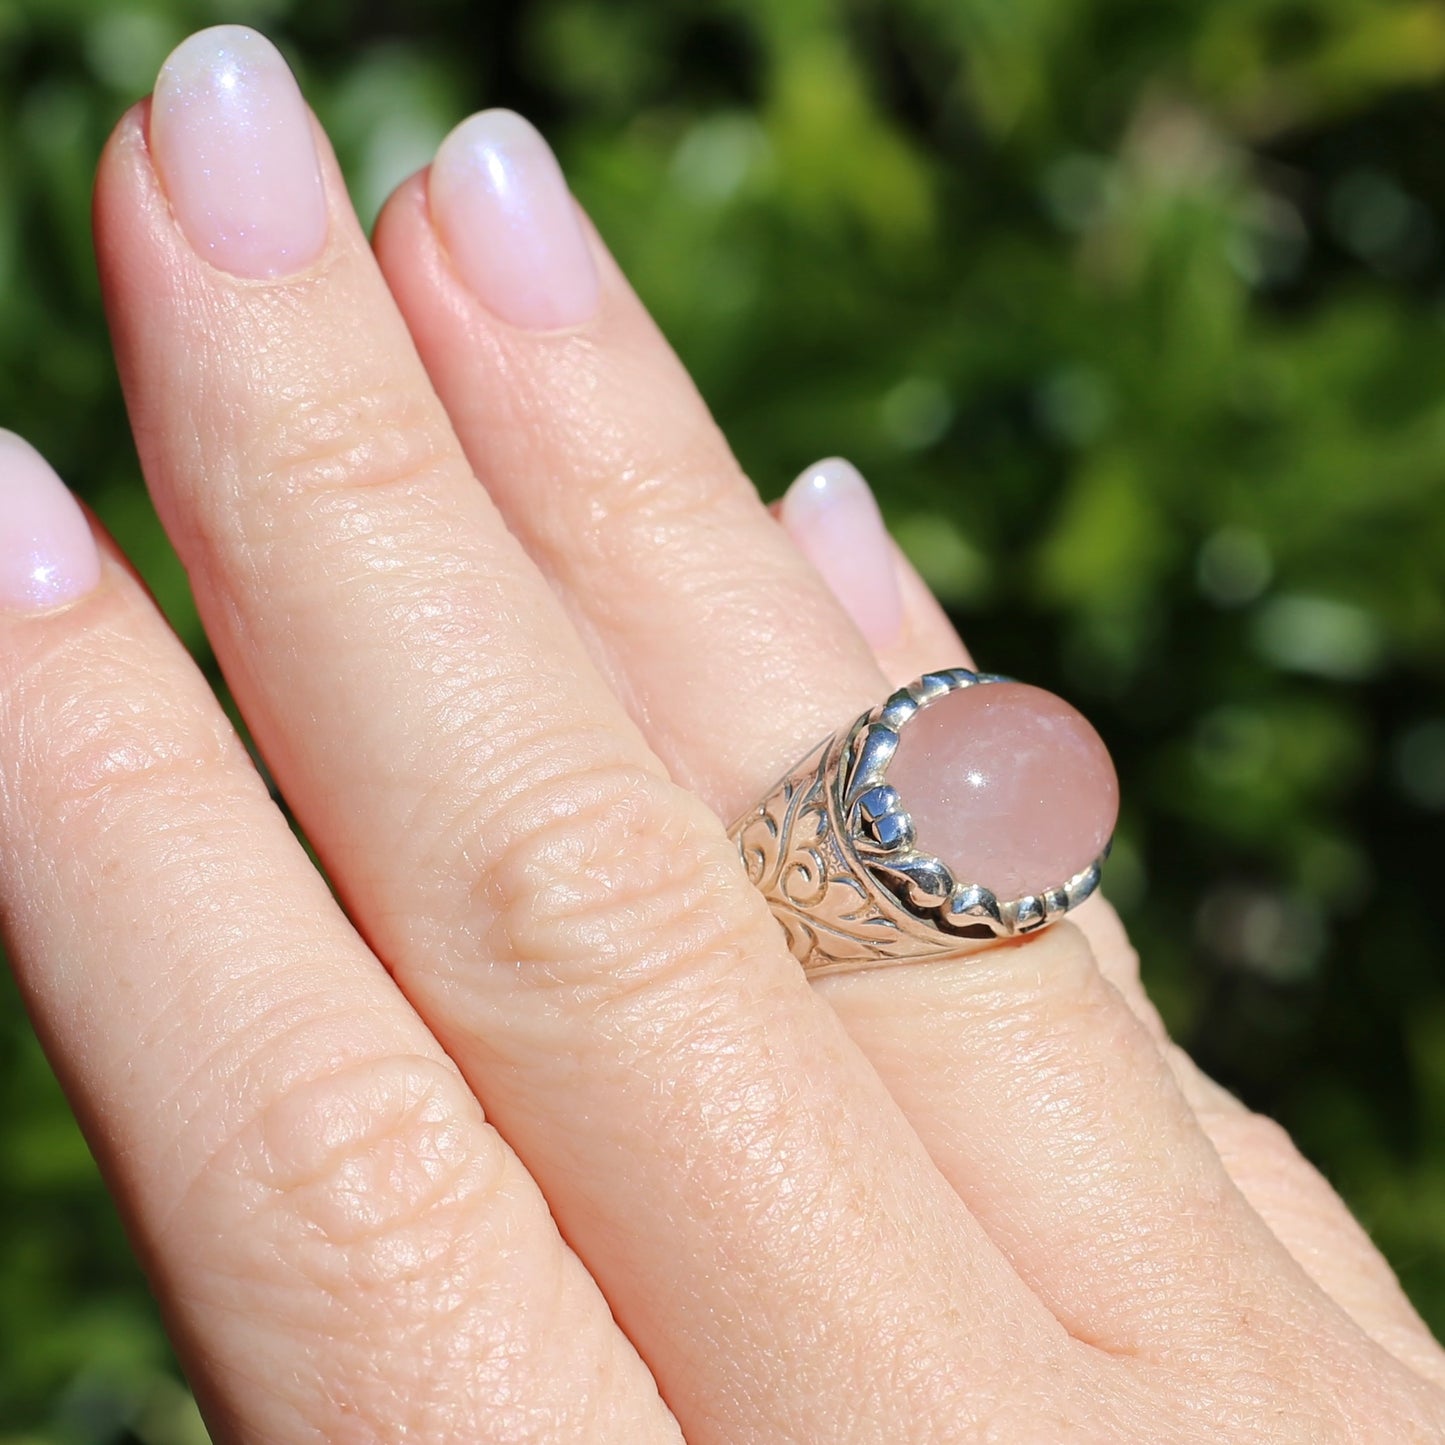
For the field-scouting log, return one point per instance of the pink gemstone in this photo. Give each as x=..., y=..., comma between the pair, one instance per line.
x=1008, y=785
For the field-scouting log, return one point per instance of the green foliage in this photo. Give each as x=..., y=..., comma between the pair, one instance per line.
x=1133, y=314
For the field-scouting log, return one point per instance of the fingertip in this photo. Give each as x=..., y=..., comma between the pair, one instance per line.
x=928, y=639
x=235, y=148
x=124, y=148
x=830, y=513
x=48, y=553
x=402, y=216
x=503, y=212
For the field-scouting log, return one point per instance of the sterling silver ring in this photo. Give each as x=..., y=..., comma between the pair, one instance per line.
x=833, y=849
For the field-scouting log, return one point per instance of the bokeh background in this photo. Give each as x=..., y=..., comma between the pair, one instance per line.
x=1135, y=316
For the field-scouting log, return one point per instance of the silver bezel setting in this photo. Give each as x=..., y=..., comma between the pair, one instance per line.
x=833, y=849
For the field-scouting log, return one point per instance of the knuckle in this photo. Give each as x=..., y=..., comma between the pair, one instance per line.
x=392, y=1255
x=377, y=436
x=672, y=530
x=642, y=472
x=94, y=735
x=322, y=471
x=662, y=494
x=377, y=1154
x=351, y=479
x=676, y=475
x=610, y=881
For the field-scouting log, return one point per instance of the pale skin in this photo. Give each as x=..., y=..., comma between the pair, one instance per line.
x=536, y=1131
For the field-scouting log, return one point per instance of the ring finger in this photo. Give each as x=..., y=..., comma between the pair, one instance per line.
x=1290, y=1195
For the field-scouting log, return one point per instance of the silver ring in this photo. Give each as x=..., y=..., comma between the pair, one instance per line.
x=832, y=849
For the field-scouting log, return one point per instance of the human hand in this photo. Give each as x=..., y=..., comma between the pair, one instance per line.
x=973, y=1200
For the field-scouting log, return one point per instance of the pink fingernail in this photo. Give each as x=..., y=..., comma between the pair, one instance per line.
x=233, y=146
x=830, y=513
x=47, y=554
x=506, y=217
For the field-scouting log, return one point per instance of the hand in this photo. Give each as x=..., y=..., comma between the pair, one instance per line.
x=958, y=1201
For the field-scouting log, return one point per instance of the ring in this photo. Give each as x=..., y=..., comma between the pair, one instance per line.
x=1011, y=787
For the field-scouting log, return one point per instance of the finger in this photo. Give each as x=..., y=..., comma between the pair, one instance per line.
x=608, y=468
x=1289, y=1194
x=574, y=929
x=283, y=1136
x=1043, y=1098
x=1311, y=1220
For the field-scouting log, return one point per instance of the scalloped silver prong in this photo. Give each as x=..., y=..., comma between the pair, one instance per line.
x=926, y=880
x=898, y=711
x=1028, y=914
x=933, y=685
x=879, y=802
x=1082, y=884
x=973, y=903
x=892, y=832
x=873, y=750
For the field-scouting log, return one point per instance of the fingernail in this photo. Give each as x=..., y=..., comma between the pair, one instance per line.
x=830, y=513
x=504, y=213
x=47, y=554
x=232, y=143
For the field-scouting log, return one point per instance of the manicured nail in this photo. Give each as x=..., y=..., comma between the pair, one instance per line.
x=47, y=554
x=830, y=513
x=506, y=218
x=232, y=143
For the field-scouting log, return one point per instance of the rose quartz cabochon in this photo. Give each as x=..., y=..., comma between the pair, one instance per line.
x=1008, y=785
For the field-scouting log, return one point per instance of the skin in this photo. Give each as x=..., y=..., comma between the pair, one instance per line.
x=534, y=1131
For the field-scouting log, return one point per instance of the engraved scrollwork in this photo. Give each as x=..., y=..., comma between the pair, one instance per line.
x=794, y=853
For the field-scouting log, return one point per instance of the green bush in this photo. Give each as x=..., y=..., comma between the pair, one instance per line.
x=1133, y=314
